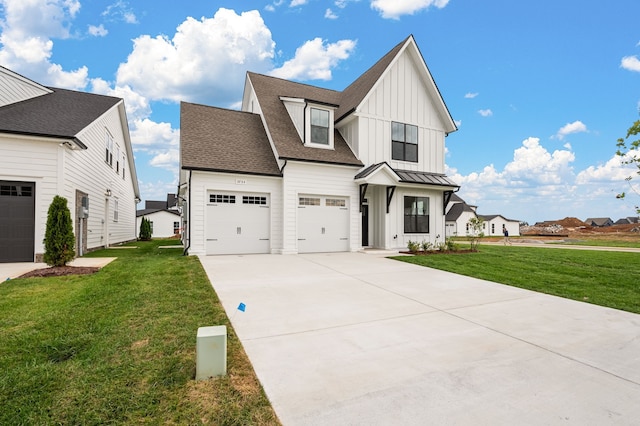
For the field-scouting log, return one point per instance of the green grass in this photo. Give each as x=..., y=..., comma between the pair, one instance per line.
x=602, y=243
x=603, y=278
x=118, y=347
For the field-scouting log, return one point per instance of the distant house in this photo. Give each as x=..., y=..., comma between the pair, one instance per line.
x=164, y=217
x=459, y=213
x=493, y=225
x=598, y=222
x=67, y=143
x=457, y=217
x=627, y=221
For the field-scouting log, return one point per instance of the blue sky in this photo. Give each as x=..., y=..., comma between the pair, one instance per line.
x=540, y=90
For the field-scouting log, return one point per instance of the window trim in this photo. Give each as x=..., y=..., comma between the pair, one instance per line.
x=404, y=142
x=308, y=126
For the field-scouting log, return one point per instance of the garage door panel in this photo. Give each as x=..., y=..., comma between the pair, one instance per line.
x=238, y=223
x=323, y=224
x=17, y=214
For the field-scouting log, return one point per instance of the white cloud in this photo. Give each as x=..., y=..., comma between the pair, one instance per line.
x=330, y=15
x=166, y=160
x=26, y=37
x=315, y=59
x=570, y=128
x=393, y=9
x=485, y=112
x=98, y=31
x=471, y=95
x=295, y=3
x=458, y=123
x=206, y=59
x=158, y=140
x=630, y=63
x=542, y=185
x=120, y=11
x=137, y=105
x=611, y=171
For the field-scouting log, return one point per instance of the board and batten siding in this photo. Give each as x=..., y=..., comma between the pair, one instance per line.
x=87, y=171
x=204, y=182
x=318, y=179
x=396, y=220
x=400, y=96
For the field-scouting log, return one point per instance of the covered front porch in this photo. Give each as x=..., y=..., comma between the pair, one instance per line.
x=400, y=205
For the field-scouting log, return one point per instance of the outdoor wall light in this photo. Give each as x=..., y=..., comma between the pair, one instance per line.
x=107, y=192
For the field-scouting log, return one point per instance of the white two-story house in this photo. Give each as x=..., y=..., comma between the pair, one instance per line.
x=62, y=142
x=305, y=169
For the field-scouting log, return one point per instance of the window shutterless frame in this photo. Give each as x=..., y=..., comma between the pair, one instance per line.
x=404, y=142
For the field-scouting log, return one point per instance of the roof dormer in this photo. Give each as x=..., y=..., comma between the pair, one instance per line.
x=313, y=120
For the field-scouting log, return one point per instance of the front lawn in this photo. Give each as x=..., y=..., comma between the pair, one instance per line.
x=604, y=278
x=118, y=347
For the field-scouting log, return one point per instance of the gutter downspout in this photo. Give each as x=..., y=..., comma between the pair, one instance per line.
x=186, y=249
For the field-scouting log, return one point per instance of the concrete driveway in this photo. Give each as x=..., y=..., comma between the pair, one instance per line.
x=355, y=339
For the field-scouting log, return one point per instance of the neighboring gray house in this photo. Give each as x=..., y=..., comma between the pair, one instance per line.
x=62, y=142
x=163, y=215
x=598, y=222
x=627, y=220
x=306, y=169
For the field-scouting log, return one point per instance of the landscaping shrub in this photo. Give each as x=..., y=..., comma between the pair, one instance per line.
x=59, y=242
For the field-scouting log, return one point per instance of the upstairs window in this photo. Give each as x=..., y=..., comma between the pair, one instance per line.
x=404, y=142
x=108, y=148
x=117, y=158
x=319, y=126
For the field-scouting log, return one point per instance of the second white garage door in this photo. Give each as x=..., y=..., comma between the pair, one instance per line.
x=237, y=223
x=323, y=224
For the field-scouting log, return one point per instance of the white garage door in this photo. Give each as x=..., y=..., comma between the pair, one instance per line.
x=323, y=224
x=237, y=223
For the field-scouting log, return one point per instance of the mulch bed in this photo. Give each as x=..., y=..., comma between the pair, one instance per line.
x=430, y=252
x=58, y=271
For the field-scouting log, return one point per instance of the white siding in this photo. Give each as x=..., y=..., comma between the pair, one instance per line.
x=318, y=179
x=400, y=96
x=15, y=88
x=162, y=223
x=87, y=171
x=396, y=218
x=33, y=161
x=202, y=182
x=57, y=170
x=296, y=113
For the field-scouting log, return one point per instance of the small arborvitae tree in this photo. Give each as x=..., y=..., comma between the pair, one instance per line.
x=59, y=242
x=145, y=229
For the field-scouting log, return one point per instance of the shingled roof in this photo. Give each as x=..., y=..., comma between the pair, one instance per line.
x=60, y=114
x=283, y=131
x=222, y=140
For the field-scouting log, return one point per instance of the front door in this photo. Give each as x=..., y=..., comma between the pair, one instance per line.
x=365, y=225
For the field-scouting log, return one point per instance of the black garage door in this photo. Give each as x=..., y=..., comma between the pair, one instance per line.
x=17, y=221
